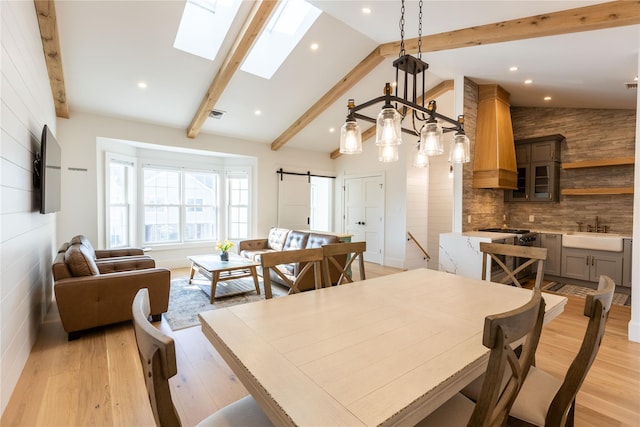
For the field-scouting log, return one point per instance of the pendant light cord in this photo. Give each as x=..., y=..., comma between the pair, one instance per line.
x=420, y=30
x=401, y=53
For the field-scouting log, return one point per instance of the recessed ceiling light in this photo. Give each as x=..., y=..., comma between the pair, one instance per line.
x=142, y=85
x=366, y=10
x=314, y=46
x=547, y=98
x=258, y=113
x=528, y=81
x=514, y=68
x=332, y=129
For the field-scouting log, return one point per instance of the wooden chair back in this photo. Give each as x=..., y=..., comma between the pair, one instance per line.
x=506, y=370
x=497, y=252
x=353, y=251
x=308, y=259
x=596, y=308
x=158, y=359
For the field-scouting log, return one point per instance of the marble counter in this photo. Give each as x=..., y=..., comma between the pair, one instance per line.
x=459, y=253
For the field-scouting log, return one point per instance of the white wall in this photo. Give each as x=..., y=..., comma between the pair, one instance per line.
x=26, y=237
x=634, y=323
x=83, y=147
x=395, y=204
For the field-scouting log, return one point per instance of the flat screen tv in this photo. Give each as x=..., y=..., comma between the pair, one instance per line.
x=49, y=171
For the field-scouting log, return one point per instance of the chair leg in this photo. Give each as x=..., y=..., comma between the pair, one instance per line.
x=570, y=414
x=72, y=336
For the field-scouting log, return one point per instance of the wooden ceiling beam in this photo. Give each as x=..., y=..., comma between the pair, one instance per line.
x=46, y=12
x=596, y=17
x=436, y=91
x=336, y=92
x=251, y=29
x=588, y=18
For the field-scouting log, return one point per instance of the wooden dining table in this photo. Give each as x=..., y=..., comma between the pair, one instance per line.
x=383, y=351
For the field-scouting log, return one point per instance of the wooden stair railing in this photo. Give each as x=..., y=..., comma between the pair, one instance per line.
x=423, y=250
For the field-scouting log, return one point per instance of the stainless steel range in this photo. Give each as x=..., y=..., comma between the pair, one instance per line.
x=523, y=238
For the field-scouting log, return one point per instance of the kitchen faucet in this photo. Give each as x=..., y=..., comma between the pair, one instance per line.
x=597, y=229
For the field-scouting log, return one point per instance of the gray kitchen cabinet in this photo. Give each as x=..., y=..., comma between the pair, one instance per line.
x=553, y=243
x=547, y=149
x=538, y=170
x=585, y=264
x=626, y=262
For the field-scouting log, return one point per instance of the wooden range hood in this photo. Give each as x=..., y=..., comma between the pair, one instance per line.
x=494, y=161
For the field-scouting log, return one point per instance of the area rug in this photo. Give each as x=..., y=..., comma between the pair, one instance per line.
x=187, y=300
x=582, y=291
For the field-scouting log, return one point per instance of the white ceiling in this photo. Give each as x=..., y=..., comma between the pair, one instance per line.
x=109, y=46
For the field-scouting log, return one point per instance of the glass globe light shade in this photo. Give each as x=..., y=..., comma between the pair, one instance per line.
x=388, y=153
x=388, y=127
x=420, y=160
x=459, y=152
x=430, y=141
x=350, y=138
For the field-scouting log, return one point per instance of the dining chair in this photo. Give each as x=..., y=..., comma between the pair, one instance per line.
x=523, y=257
x=546, y=400
x=303, y=261
x=342, y=256
x=505, y=371
x=158, y=359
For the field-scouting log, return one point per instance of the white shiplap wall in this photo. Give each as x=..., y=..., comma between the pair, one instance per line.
x=26, y=236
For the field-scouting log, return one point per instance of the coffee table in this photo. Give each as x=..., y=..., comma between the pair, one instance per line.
x=216, y=270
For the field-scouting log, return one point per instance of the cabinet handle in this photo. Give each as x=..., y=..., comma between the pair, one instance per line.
x=587, y=259
x=592, y=260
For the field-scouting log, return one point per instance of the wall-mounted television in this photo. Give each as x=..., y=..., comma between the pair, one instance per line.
x=48, y=170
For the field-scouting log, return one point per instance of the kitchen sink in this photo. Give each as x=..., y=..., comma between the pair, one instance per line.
x=595, y=241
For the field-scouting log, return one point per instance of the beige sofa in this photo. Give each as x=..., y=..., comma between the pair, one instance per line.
x=284, y=239
x=91, y=294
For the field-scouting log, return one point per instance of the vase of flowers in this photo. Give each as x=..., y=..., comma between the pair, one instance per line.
x=224, y=247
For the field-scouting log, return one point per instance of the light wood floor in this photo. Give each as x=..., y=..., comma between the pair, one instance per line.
x=96, y=380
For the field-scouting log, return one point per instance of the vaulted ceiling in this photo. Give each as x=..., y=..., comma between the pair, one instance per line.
x=581, y=53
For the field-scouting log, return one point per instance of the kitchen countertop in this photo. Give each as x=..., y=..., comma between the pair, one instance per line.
x=484, y=234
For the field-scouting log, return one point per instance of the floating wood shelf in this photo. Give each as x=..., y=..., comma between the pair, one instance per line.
x=599, y=163
x=596, y=191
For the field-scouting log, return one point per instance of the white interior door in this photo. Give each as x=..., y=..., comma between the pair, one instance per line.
x=294, y=201
x=364, y=214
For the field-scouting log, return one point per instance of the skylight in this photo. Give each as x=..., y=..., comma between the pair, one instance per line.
x=204, y=25
x=289, y=23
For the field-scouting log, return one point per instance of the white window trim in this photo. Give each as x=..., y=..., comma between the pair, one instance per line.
x=231, y=171
x=130, y=161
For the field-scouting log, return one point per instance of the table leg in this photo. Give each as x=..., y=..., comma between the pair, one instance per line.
x=214, y=282
x=254, y=273
x=193, y=271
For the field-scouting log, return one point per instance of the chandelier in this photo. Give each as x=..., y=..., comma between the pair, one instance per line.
x=403, y=106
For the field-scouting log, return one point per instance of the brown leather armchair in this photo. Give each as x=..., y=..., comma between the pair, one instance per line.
x=101, y=255
x=90, y=294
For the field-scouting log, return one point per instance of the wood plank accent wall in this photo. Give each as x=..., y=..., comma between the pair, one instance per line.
x=591, y=135
x=26, y=247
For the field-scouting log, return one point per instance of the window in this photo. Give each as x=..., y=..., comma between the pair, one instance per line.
x=179, y=206
x=320, y=201
x=120, y=209
x=204, y=26
x=288, y=24
x=238, y=205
